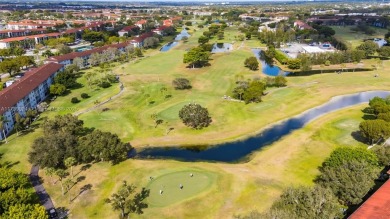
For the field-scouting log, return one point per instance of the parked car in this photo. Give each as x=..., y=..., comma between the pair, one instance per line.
x=52, y=213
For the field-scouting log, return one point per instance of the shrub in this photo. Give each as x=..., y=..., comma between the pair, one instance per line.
x=181, y=84
x=74, y=100
x=104, y=84
x=84, y=95
x=281, y=57
x=252, y=63
x=294, y=64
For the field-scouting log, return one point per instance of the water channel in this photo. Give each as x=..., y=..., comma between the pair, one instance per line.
x=270, y=70
x=240, y=150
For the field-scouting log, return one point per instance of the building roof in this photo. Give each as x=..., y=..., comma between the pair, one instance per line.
x=128, y=28
x=22, y=30
x=29, y=37
x=11, y=95
x=73, y=55
x=312, y=49
x=142, y=21
x=142, y=37
x=377, y=206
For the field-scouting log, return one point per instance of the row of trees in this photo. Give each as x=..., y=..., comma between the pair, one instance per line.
x=16, y=51
x=65, y=136
x=377, y=129
x=14, y=65
x=346, y=177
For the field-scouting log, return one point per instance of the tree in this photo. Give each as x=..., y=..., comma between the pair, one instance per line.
x=22, y=211
x=196, y=57
x=384, y=51
x=126, y=204
x=65, y=78
x=280, y=81
x=207, y=34
x=57, y=89
x=342, y=154
x=251, y=63
x=369, y=47
x=102, y=146
x=202, y=40
x=50, y=171
x=151, y=42
x=375, y=130
x=61, y=174
x=294, y=64
x=10, y=66
x=195, y=116
x=383, y=154
x=69, y=163
x=254, y=91
x=79, y=62
x=93, y=36
x=3, y=120
x=181, y=84
x=64, y=49
x=94, y=59
x=47, y=53
x=350, y=181
x=303, y=202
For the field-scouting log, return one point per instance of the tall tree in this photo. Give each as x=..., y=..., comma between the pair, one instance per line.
x=196, y=57
x=126, y=204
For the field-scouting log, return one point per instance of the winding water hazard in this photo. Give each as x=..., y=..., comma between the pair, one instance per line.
x=240, y=150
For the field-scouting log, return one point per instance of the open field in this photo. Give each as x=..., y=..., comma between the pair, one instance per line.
x=354, y=38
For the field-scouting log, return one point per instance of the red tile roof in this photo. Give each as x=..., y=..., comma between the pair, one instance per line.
x=73, y=55
x=142, y=37
x=29, y=37
x=128, y=28
x=142, y=22
x=22, y=30
x=11, y=95
x=377, y=206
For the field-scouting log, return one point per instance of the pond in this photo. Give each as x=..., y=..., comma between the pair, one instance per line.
x=182, y=34
x=168, y=46
x=240, y=150
x=270, y=70
x=222, y=47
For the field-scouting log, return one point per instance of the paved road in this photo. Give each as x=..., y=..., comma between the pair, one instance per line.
x=39, y=189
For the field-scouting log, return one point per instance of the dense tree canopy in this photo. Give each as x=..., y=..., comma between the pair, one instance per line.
x=17, y=200
x=196, y=57
x=195, y=116
x=251, y=63
x=181, y=84
x=66, y=137
x=341, y=154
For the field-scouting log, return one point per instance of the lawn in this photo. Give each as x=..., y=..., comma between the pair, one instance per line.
x=193, y=183
x=356, y=38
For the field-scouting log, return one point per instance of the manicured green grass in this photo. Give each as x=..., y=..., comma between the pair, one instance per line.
x=356, y=38
x=169, y=184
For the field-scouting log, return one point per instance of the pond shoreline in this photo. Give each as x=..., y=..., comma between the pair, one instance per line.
x=143, y=152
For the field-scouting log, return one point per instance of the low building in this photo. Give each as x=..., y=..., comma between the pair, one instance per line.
x=67, y=59
x=377, y=206
x=160, y=30
x=18, y=33
x=380, y=42
x=128, y=30
x=141, y=24
x=26, y=42
x=26, y=93
x=139, y=40
x=302, y=25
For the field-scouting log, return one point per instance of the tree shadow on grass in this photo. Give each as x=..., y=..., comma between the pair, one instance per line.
x=82, y=190
x=358, y=137
x=368, y=117
x=84, y=168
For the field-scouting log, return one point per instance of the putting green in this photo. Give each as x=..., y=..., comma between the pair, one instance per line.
x=170, y=185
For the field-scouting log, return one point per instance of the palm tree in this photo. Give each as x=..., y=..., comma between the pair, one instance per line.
x=70, y=162
x=2, y=121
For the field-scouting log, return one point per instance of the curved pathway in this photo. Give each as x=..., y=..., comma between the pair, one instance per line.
x=104, y=102
x=39, y=189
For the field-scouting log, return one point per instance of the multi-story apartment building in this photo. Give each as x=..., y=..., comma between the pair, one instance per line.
x=26, y=94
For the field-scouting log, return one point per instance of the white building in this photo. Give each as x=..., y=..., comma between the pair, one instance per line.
x=26, y=93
